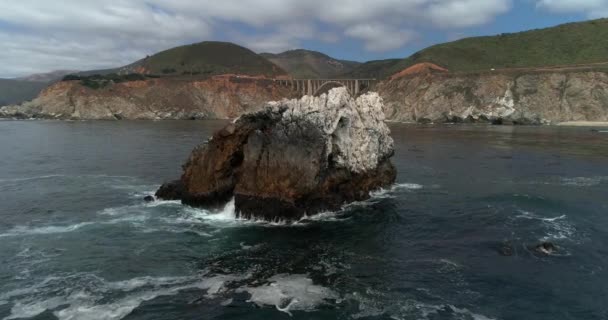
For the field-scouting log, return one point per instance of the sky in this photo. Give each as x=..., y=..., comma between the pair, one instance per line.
x=41, y=36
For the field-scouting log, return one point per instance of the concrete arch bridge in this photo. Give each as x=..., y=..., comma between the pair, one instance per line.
x=318, y=86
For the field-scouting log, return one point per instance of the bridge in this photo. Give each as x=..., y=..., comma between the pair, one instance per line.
x=317, y=86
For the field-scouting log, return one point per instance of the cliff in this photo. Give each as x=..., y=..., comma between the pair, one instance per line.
x=220, y=97
x=519, y=97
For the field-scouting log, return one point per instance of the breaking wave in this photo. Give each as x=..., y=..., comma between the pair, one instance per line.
x=84, y=296
x=289, y=293
x=555, y=228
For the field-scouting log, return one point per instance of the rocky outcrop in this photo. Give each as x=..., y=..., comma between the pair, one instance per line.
x=221, y=97
x=522, y=97
x=295, y=157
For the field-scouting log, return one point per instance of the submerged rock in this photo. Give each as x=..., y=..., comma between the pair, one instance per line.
x=545, y=248
x=506, y=249
x=295, y=157
x=149, y=199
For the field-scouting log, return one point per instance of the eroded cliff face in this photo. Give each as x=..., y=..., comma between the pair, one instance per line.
x=532, y=98
x=517, y=97
x=214, y=98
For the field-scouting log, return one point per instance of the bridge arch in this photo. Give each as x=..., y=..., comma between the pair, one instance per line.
x=317, y=86
x=328, y=85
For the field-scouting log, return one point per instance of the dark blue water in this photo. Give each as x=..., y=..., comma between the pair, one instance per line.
x=77, y=241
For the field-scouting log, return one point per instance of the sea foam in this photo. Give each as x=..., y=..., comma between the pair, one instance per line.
x=290, y=293
x=86, y=297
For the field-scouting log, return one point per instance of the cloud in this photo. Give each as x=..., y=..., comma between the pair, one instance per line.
x=84, y=34
x=378, y=37
x=469, y=12
x=592, y=8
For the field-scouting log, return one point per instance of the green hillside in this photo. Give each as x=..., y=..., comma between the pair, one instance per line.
x=17, y=91
x=568, y=44
x=306, y=64
x=207, y=58
x=574, y=43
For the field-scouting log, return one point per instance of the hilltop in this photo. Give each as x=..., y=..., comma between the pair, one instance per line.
x=306, y=64
x=207, y=58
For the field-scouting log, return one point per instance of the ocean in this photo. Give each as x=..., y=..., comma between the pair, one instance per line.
x=454, y=238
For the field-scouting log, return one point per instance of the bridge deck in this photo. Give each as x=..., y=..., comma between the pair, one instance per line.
x=314, y=86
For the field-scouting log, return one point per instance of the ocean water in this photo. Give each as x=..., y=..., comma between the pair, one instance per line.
x=78, y=242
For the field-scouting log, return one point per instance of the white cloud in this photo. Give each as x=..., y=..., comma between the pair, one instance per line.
x=378, y=37
x=83, y=34
x=470, y=12
x=592, y=8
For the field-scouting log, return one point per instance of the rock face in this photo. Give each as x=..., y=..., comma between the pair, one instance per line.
x=519, y=97
x=220, y=97
x=294, y=157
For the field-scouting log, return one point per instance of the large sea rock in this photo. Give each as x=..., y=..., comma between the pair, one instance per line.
x=293, y=158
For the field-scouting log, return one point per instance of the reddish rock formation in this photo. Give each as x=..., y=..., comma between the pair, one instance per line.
x=419, y=69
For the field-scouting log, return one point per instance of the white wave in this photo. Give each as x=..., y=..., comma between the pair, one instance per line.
x=51, y=176
x=29, y=231
x=461, y=313
x=225, y=217
x=24, y=231
x=580, y=182
x=177, y=230
x=583, y=181
x=141, y=207
x=532, y=216
x=466, y=312
x=409, y=186
x=387, y=193
x=85, y=296
x=289, y=293
x=557, y=228
x=323, y=216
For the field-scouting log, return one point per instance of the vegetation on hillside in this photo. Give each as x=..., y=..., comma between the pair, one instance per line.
x=574, y=43
x=98, y=81
x=568, y=44
x=306, y=64
x=208, y=58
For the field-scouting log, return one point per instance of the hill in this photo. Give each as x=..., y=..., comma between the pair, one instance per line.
x=206, y=58
x=568, y=44
x=306, y=64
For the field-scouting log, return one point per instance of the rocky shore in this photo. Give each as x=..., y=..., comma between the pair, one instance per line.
x=293, y=158
x=528, y=98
